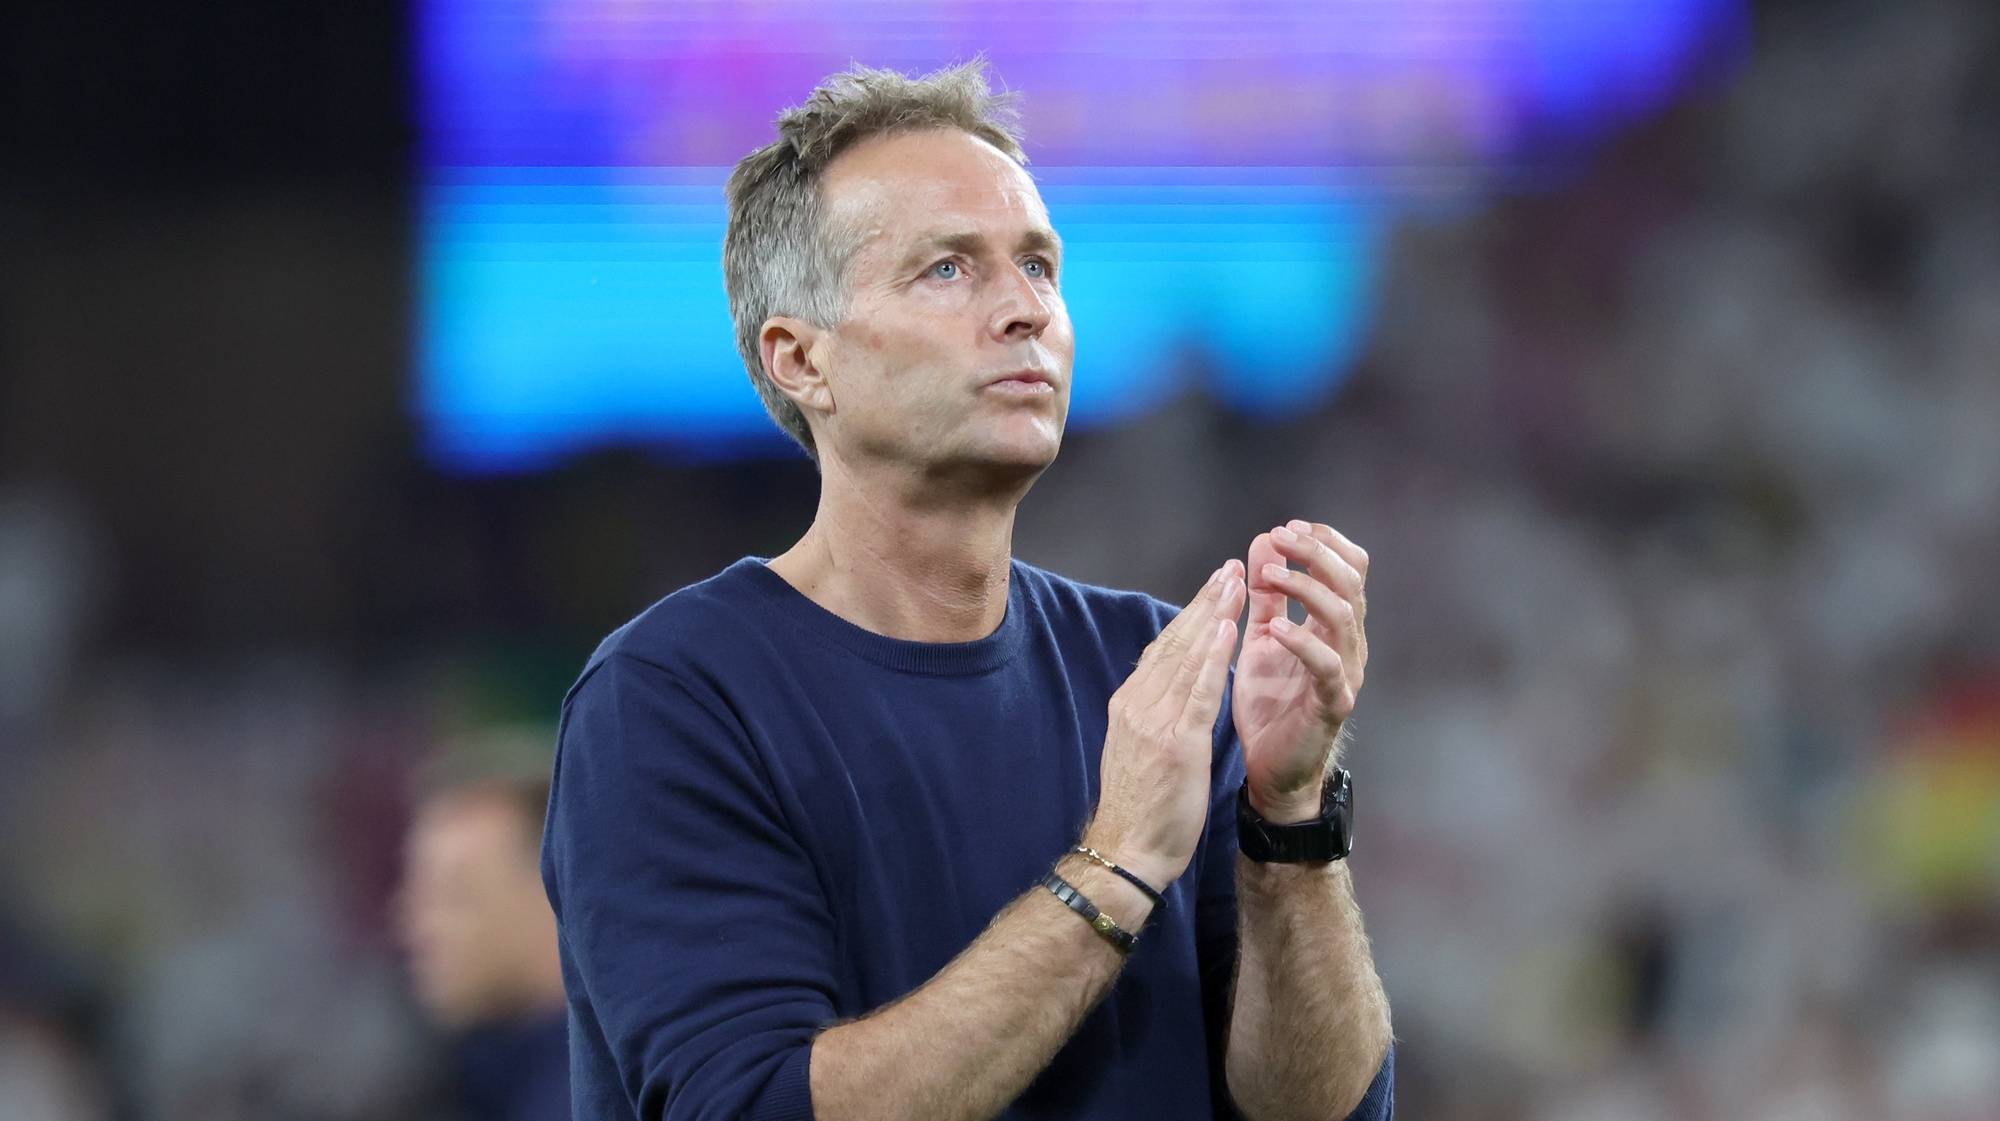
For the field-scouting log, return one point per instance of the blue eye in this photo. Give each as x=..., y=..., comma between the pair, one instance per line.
x=1037, y=268
x=939, y=270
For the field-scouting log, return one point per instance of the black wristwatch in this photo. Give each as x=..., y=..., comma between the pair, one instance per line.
x=1309, y=842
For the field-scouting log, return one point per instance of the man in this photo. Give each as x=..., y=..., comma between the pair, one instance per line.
x=810, y=844
x=482, y=946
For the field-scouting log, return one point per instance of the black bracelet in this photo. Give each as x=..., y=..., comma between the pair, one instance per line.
x=1095, y=857
x=1121, y=939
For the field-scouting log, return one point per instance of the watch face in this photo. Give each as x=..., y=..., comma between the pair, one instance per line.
x=1339, y=812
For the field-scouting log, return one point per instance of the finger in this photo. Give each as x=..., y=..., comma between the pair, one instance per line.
x=1267, y=602
x=1168, y=644
x=1170, y=689
x=1329, y=672
x=1333, y=539
x=1319, y=558
x=1335, y=615
x=1204, y=695
x=1357, y=559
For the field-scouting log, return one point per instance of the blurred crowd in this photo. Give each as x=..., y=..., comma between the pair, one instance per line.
x=1678, y=766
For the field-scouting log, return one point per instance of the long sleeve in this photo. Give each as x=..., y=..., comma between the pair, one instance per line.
x=690, y=915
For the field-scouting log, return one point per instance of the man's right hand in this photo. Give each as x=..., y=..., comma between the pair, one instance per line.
x=1153, y=800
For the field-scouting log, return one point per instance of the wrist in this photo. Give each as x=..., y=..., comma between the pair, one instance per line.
x=1158, y=873
x=1327, y=835
x=1127, y=905
x=1289, y=808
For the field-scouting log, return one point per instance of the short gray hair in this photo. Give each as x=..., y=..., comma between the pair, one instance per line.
x=779, y=257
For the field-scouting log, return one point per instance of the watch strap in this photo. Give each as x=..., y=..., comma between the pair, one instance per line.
x=1327, y=838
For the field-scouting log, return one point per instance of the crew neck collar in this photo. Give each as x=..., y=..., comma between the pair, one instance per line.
x=936, y=659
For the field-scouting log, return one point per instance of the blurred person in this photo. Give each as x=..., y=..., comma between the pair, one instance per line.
x=51, y=1034
x=896, y=826
x=44, y=1074
x=482, y=946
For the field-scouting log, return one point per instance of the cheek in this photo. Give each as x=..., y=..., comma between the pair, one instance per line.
x=894, y=357
x=1061, y=335
x=870, y=340
x=873, y=348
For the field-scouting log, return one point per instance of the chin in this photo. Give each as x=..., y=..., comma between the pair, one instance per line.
x=1032, y=436
x=1024, y=451
x=1014, y=446
x=996, y=461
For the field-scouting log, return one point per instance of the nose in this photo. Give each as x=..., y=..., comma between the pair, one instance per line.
x=1022, y=312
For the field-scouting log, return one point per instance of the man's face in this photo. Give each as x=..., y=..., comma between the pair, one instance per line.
x=952, y=296
x=473, y=914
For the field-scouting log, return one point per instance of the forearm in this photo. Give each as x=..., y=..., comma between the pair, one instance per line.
x=967, y=1042
x=1310, y=1023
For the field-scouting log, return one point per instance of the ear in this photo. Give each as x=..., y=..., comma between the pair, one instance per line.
x=789, y=347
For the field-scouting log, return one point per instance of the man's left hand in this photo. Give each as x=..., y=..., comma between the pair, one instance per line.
x=1296, y=684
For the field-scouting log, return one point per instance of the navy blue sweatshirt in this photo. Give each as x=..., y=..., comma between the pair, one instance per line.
x=766, y=819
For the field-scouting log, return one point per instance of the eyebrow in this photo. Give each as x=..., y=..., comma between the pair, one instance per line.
x=1041, y=239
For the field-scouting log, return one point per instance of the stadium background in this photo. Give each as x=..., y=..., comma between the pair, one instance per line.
x=359, y=368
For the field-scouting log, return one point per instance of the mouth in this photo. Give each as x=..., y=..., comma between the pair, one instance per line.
x=1023, y=382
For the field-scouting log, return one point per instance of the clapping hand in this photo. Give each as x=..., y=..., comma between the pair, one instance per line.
x=1296, y=684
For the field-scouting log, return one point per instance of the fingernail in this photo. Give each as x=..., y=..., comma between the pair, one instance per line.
x=1280, y=623
x=1285, y=535
x=1276, y=572
x=1298, y=526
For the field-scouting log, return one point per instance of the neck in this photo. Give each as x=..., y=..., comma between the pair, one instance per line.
x=906, y=559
